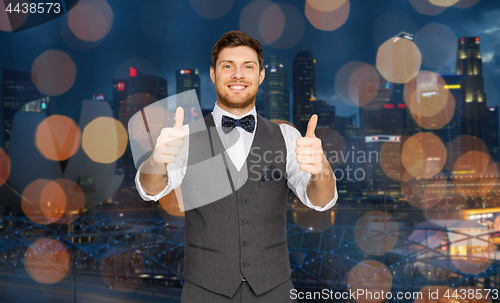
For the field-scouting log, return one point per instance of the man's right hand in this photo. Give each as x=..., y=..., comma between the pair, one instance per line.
x=171, y=140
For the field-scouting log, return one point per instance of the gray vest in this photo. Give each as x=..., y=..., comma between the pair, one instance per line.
x=242, y=235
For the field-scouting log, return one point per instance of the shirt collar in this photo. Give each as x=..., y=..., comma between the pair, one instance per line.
x=218, y=112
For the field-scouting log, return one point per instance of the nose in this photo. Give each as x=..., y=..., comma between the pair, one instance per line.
x=238, y=73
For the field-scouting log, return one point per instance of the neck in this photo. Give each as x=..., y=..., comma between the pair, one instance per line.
x=237, y=111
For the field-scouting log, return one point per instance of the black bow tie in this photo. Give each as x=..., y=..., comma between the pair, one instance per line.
x=247, y=123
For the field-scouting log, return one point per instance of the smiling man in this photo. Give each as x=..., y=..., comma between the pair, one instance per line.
x=236, y=247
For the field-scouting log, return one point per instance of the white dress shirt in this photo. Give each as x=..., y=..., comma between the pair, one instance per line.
x=238, y=152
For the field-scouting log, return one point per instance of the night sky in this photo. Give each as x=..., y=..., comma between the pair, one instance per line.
x=158, y=37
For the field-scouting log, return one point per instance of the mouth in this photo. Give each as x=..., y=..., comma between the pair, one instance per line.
x=237, y=87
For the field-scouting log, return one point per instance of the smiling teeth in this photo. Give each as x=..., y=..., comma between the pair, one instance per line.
x=237, y=87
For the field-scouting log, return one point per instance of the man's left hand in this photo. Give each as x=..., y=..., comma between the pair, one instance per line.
x=310, y=151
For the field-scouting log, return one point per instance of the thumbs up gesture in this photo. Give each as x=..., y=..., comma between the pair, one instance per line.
x=310, y=151
x=170, y=141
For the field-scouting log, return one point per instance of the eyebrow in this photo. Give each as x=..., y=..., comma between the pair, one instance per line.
x=230, y=61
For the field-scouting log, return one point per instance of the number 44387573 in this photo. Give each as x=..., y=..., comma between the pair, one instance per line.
x=34, y=8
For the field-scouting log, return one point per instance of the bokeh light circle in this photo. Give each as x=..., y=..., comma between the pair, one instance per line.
x=474, y=174
x=326, y=5
x=437, y=43
x=369, y=276
x=52, y=201
x=425, y=7
x=471, y=254
x=53, y=73
x=423, y=155
x=390, y=160
x=4, y=166
x=343, y=79
x=398, y=60
x=376, y=232
x=465, y=3
x=293, y=29
x=75, y=201
x=365, y=77
x=390, y=24
x=47, y=261
x=30, y=202
x=104, y=140
x=213, y=9
x=462, y=145
x=121, y=269
x=157, y=117
x=252, y=12
x=426, y=95
x=91, y=20
x=170, y=203
x=328, y=20
x=425, y=192
x=272, y=24
x=445, y=3
x=57, y=137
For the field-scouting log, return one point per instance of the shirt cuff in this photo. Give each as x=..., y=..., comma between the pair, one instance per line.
x=330, y=204
x=156, y=197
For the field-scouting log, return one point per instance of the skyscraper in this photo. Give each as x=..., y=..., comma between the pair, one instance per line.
x=277, y=96
x=304, y=87
x=187, y=79
x=17, y=90
x=470, y=64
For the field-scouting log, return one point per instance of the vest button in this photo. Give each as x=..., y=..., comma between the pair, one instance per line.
x=240, y=180
x=244, y=243
x=242, y=201
x=245, y=264
x=243, y=222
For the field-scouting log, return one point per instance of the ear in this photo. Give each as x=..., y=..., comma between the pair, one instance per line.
x=262, y=75
x=212, y=74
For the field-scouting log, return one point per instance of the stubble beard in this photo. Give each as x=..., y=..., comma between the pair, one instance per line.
x=226, y=101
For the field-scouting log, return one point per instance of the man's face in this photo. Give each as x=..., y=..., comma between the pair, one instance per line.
x=237, y=77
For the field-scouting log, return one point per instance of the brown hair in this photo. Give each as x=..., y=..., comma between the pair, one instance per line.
x=237, y=38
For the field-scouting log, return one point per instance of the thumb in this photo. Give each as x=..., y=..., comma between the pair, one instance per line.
x=311, y=126
x=179, y=117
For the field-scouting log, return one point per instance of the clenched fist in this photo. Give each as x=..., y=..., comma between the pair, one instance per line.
x=310, y=151
x=170, y=141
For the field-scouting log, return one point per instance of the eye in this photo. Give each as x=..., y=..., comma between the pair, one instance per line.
x=226, y=66
x=248, y=67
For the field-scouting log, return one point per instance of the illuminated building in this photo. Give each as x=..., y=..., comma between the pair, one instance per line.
x=469, y=64
x=41, y=105
x=277, y=96
x=17, y=90
x=187, y=79
x=304, y=87
x=386, y=113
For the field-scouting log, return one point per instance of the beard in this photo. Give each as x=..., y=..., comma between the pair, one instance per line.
x=226, y=100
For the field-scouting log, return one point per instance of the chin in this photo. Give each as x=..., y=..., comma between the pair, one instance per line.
x=242, y=102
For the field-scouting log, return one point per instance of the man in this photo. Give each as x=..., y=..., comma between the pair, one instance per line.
x=236, y=247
